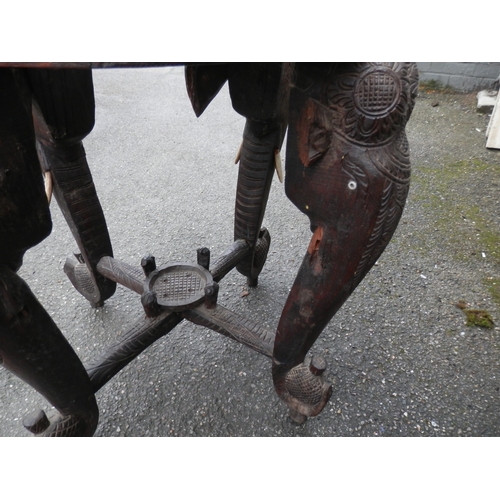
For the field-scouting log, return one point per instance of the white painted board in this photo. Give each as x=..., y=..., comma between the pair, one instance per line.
x=493, y=132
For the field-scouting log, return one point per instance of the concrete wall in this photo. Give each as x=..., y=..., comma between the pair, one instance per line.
x=463, y=76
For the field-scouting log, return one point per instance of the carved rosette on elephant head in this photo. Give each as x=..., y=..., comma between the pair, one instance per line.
x=348, y=170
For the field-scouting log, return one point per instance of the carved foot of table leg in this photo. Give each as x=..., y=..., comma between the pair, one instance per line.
x=302, y=388
x=81, y=278
x=259, y=257
x=57, y=425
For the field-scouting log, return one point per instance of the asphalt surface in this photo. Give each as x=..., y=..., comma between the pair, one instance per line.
x=401, y=360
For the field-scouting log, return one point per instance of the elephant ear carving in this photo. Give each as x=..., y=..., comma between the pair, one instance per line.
x=204, y=83
x=314, y=133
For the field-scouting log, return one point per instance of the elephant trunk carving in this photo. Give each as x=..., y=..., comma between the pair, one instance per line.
x=348, y=170
x=32, y=347
x=63, y=112
x=255, y=174
x=259, y=92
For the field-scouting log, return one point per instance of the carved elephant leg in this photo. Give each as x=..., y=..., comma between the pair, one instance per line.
x=260, y=93
x=63, y=112
x=255, y=174
x=348, y=169
x=31, y=346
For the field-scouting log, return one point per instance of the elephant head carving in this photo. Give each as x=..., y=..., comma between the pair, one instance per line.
x=347, y=168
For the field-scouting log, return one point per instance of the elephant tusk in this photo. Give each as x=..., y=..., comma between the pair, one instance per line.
x=277, y=161
x=47, y=180
x=238, y=154
x=278, y=166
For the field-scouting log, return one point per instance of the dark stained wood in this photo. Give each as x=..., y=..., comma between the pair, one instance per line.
x=63, y=112
x=24, y=212
x=33, y=348
x=203, y=83
x=347, y=169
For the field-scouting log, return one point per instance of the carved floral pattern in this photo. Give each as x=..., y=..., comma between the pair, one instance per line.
x=371, y=101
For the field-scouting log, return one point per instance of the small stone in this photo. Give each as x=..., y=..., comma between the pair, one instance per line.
x=434, y=104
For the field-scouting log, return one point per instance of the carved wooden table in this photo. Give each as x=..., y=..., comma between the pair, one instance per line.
x=347, y=169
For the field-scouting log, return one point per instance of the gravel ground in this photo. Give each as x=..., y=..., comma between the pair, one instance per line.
x=400, y=357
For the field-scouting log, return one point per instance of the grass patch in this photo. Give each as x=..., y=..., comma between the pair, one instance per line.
x=456, y=197
x=456, y=213
x=478, y=317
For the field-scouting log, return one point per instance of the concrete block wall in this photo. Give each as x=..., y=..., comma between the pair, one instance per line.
x=462, y=76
